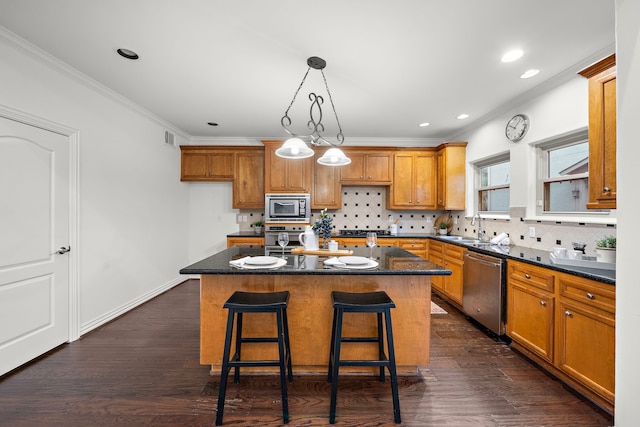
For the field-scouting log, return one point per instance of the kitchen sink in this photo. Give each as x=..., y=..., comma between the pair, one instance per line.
x=465, y=240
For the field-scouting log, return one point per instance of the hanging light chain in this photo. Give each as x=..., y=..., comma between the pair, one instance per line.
x=339, y=136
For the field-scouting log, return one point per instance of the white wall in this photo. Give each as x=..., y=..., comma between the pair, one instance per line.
x=627, y=284
x=133, y=210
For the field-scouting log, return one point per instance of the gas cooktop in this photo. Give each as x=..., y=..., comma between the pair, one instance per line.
x=363, y=232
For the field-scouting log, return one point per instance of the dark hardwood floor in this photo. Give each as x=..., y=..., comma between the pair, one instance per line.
x=142, y=369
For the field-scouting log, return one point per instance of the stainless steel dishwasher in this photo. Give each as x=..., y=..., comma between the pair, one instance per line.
x=484, y=290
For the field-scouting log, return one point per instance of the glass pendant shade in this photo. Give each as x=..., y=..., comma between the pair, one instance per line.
x=334, y=157
x=294, y=148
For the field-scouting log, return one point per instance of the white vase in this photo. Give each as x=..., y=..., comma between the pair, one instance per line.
x=606, y=255
x=442, y=231
x=258, y=230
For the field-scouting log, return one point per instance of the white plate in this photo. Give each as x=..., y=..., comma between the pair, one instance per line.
x=262, y=260
x=354, y=260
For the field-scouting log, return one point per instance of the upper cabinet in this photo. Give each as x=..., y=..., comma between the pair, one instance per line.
x=248, y=186
x=414, y=181
x=369, y=166
x=602, y=133
x=451, y=165
x=244, y=166
x=203, y=163
x=285, y=175
x=326, y=191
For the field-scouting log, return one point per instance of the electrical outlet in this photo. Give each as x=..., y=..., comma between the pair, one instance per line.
x=238, y=219
x=532, y=232
x=244, y=218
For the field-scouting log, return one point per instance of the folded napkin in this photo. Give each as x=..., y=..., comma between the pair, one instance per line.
x=334, y=262
x=239, y=262
x=499, y=238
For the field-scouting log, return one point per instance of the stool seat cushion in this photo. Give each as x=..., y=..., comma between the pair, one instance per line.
x=271, y=300
x=379, y=300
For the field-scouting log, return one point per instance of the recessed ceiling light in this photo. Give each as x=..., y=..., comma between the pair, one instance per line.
x=512, y=55
x=212, y=123
x=424, y=125
x=129, y=54
x=529, y=73
x=462, y=116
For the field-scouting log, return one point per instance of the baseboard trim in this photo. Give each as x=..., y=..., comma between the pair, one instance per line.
x=119, y=311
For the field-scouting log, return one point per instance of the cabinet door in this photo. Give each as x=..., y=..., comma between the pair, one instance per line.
x=326, y=187
x=248, y=187
x=354, y=171
x=586, y=342
x=530, y=318
x=401, y=191
x=602, y=141
x=285, y=175
x=451, y=165
x=425, y=180
x=415, y=246
x=244, y=241
x=379, y=167
x=453, y=283
x=194, y=167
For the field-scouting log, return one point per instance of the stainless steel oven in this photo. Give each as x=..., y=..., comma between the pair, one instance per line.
x=271, y=246
x=287, y=208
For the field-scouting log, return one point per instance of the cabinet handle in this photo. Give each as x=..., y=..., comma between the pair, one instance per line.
x=543, y=303
x=607, y=189
x=369, y=177
x=526, y=275
x=568, y=313
x=590, y=295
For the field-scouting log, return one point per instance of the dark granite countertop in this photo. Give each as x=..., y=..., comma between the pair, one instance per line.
x=537, y=257
x=391, y=261
x=532, y=256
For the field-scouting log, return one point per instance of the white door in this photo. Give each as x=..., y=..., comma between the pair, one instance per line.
x=34, y=225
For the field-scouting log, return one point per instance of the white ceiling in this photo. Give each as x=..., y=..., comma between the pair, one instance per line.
x=390, y=64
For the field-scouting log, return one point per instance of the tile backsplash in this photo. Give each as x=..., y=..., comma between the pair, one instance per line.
x=365, y=208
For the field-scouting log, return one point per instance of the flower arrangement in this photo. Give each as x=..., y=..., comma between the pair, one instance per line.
x=323, y=224
x=606, y=242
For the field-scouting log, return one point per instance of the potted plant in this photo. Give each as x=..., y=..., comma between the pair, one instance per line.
x=323, y=225
x=443, y=227
x=606, y=249
x=257, y=226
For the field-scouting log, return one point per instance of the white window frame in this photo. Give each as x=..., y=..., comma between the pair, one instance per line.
x=477, y=188
x=541, y=153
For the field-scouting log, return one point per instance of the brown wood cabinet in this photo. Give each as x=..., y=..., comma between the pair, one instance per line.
x=566, y=323
x=531, y=307
x=450, y=257
x=586, y=333
x=326, y=192
x=451, y=166
x=370, y=166
x=414, y=181
x=240, y=241
x=248, y=186
x=206, y=163
x=602, y=133
x=285, y=175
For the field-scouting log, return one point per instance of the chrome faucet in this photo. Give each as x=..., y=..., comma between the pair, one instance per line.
x=480, y=230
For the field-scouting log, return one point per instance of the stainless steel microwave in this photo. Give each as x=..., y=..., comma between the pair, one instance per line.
x=293, y=207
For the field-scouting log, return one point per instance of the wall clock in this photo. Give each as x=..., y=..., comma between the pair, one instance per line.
x=517, y=127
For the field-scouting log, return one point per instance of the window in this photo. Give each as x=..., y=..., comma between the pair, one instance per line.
x=493, y=185
x=563, y=176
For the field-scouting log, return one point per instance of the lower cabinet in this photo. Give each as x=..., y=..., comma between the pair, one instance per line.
x=450, y=257
x=415, y=246
x=239, y=241
x=567, y=324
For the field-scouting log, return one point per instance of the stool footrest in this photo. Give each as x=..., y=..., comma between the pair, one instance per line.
x=359, y=339
x=364, y=363
x=257, y=339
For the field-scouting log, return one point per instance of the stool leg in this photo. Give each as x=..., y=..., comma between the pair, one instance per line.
x=287, y=344
x=236, y=356
x=224, y=371
x=283, y=367
x=381, y=354
x=392, y=368
x=333, y=342
x=337, y=339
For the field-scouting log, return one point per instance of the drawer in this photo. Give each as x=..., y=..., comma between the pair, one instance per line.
x=453, y=251
x=415, y=245
x=531, y=275
x=592, y=293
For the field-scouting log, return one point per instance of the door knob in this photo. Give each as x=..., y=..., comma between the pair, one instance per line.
x=63, y=250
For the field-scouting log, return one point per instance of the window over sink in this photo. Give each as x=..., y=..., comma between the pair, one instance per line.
x=493, y=184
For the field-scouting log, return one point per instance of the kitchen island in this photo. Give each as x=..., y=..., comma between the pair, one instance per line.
x=404, y=276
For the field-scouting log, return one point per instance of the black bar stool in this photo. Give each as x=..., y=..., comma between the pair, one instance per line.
x=367, y=302
x=256, y=302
